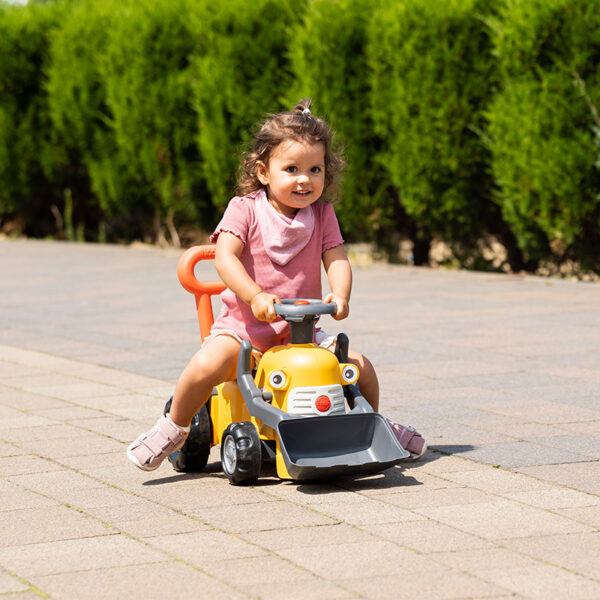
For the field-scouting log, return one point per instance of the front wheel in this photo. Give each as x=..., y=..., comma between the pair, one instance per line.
x=241, y=453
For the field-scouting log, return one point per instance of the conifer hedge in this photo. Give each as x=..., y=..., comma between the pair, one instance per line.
x=329, y=60
x=544, y=127
x=241, y=72
x=460, y=120
x=25, y=125
x=432, y=74
x=120, y=96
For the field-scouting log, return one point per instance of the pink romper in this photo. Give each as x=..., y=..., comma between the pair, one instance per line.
x=281, y=254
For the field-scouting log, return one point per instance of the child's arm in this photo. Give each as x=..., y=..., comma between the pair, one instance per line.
x=339, y=275
x=236, y=278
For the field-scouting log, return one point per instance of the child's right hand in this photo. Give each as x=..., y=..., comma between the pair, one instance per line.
x=262, y=306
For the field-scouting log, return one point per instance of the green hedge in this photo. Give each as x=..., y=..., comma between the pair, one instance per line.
x=432, y=75
x=240, y=75
x=120, y=95
x=544, y=128
x=460, y=120
x=329, y=61
x=151, y=100
x=25, y=126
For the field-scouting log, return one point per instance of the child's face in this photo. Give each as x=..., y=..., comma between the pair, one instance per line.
x=294, y=176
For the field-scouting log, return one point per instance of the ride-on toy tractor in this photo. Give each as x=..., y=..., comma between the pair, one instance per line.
x=291, y=409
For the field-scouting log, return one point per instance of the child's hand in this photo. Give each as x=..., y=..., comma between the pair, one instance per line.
x=262, y=306
x=342, y=306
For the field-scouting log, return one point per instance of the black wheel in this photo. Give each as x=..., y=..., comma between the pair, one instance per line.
x=241, y=453
x=193, y=455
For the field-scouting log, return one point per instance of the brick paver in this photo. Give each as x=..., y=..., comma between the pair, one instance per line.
x=499, y=372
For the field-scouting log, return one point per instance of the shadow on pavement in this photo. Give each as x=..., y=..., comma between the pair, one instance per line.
x=397, y=476
x=175, y=478
x=450, y=449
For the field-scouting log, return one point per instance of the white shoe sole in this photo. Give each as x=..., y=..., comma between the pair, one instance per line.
x=414, y=456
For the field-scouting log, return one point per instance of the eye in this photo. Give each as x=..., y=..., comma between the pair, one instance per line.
x=349, y=373
x=291, y=169
x=277, y=380
x=315, y=170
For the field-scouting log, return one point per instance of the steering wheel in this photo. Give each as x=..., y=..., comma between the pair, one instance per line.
x=298, y=309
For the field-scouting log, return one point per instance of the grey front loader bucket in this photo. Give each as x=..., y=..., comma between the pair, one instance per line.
x=356, y=443
x=351, y=444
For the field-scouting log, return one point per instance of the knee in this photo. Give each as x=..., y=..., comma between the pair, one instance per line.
x=203, y=368
x=198, y=365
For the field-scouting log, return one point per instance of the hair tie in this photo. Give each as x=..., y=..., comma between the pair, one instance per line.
x=306, y=111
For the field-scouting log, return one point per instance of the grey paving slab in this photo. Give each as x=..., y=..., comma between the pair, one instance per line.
x=501, y=519
x=588, y=515
x=9, y=583
x=522, y=454
x=581, y=444
x=148, y=581
x=437, y=583
x=584, y=476
x=543, y=581
x=498, y=372
x=558, y=550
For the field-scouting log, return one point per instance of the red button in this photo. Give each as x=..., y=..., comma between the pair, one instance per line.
x=302, y=302
x=323, y=404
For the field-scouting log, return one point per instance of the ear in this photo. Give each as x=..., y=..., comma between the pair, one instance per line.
x=262, y=172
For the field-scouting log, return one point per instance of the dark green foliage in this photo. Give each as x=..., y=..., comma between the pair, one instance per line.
x=24, y=121
x=82, y=136
x=146, y=74
x=240, y=73
x=544, y=126
x=432, y=75
x=328, y=54
x=120, y=98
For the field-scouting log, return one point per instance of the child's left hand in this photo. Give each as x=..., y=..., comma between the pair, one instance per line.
x=342, y=306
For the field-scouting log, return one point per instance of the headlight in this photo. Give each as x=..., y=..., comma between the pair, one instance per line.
x=277, y=380
x=349, y=373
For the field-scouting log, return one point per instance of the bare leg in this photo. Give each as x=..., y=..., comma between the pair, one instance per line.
x=368, y=382
x=211, y=365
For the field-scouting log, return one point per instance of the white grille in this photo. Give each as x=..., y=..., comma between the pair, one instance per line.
x=301, y=400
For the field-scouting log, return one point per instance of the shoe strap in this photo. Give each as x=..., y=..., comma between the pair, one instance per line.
x=411, y=440
x=158, y=440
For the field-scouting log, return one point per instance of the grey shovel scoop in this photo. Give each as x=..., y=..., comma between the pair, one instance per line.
x=358, y=442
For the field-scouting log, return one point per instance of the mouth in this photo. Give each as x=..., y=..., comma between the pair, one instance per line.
x=302, y=193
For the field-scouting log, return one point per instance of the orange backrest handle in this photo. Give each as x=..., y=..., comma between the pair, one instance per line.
x=202, y=291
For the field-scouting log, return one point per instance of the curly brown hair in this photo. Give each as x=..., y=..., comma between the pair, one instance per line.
x=298, y=124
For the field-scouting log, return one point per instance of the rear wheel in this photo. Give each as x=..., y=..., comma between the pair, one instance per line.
x=193, y=455
x=241, y=453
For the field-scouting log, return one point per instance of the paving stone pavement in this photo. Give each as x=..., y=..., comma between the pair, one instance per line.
x=500, y=373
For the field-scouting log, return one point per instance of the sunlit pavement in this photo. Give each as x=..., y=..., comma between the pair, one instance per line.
x=500, y=373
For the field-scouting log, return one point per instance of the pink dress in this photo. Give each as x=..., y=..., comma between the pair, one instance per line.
x=282, y=254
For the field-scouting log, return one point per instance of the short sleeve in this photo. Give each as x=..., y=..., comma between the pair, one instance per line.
x=332, y=235
x=236, y=219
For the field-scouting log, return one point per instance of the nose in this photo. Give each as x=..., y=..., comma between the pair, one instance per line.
x=303, y=178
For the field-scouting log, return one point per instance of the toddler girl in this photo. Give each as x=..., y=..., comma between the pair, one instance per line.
x=269, y=245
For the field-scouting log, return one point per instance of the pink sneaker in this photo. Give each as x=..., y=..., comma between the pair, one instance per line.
x=151, y=448
x=410, y=439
